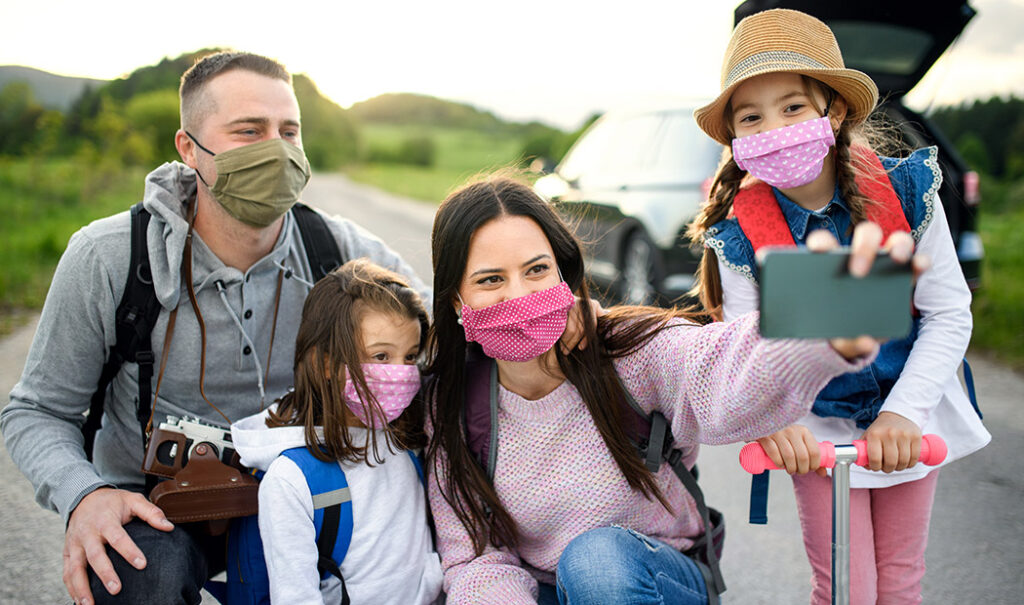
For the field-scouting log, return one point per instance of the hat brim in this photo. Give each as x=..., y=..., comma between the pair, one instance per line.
x=857, y=89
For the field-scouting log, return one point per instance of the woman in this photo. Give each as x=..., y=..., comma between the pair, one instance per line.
x=572, y=513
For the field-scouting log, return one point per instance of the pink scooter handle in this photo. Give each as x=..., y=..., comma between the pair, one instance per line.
x=754, y=460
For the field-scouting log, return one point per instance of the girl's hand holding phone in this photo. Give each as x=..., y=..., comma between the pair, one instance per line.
x=865, y=245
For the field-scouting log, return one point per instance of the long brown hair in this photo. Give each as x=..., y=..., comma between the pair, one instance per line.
x=468, y=490
x=328, y=342
x=730, y=178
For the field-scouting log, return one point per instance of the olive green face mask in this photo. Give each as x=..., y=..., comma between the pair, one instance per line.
x=258, y=183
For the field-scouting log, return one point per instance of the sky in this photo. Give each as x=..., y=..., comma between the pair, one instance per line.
x=557, y=61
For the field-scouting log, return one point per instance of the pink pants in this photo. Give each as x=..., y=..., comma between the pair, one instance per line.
x=888, y=536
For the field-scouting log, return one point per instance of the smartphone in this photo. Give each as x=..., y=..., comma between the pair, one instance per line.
x=808, y=294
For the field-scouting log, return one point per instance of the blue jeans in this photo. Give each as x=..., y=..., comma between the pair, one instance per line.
x=624, y=567
x=178, y=563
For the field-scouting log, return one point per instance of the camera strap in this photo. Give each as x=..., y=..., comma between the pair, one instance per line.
x=139, y=308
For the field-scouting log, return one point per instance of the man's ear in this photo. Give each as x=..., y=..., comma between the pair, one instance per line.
x=186, y=149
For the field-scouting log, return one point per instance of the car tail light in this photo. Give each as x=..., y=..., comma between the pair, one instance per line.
x=972, y=188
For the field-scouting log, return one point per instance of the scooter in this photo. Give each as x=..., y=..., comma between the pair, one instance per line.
x=754, y=460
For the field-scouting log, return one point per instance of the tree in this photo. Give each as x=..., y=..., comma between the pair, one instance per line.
x=328, y=135
x=20, y=114
x=154, y=116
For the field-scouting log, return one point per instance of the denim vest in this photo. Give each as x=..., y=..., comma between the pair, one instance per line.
x=915, y=180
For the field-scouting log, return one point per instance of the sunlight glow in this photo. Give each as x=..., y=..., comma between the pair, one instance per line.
x=556, y=61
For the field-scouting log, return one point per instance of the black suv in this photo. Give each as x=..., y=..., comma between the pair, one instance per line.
x=636, y=178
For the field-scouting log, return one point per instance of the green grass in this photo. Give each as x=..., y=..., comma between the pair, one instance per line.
x=44, y=201
x=999, y=304
x=461, y=154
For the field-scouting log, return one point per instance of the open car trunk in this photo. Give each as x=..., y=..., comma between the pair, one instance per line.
x=894, y=41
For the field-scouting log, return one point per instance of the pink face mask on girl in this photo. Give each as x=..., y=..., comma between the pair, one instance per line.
x=786, y=157
x=393, y=386
x=522, y=328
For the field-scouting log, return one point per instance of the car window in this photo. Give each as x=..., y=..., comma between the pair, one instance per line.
x=685, y=153
x=613, y=151
x=586, y=154
x=881, y=47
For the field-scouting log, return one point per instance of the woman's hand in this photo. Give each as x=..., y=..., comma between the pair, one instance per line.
x=864, y=246
x=893, y=443
x=794, y=449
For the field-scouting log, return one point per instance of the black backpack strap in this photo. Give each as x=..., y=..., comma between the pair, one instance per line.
x=657, y=447
x=135, y=317
x=321, y=247
x=675, y=459
x=481, y=409
x=325, y=548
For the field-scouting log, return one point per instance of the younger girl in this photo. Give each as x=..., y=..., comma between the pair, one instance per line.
x=788, y=115
x=571, y=513
x=361, y=334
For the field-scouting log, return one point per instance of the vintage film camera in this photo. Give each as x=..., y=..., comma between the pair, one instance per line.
x=205, y=479
x=174, y=441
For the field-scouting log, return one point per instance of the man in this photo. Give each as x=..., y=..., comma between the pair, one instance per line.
x=227, y=353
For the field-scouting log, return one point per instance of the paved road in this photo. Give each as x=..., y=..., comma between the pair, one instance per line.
x=976, y=550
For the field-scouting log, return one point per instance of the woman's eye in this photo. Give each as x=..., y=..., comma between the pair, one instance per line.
x=537, y=269
x=489, y=280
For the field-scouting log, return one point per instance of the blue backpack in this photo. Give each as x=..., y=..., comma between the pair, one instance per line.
x=247, y=580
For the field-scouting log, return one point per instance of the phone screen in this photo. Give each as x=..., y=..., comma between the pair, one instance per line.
x=812, y=295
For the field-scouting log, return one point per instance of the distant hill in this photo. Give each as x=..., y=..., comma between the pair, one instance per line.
x=52, y=91
x=410, y=108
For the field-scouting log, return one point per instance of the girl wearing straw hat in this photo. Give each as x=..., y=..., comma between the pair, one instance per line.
x=796, y=160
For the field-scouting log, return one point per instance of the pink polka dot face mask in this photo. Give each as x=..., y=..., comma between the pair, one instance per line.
x=786, y=157
x=522, y=328
x=393, y=386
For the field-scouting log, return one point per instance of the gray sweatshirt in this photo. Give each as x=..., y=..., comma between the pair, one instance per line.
x=41, y=425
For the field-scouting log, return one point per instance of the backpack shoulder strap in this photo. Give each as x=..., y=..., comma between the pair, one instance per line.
x=321, y=248
x=332, y=511
x=760, y=217
x=655, y=446
x=135, y=317
x=481, y=409
x=419, y=466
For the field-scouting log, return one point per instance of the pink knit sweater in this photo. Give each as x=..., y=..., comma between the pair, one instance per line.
x=717, y=384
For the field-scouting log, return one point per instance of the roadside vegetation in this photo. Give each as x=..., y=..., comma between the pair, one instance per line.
x=61, y=167
x=989, y=134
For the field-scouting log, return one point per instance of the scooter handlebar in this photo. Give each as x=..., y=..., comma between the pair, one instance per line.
x=754, y=460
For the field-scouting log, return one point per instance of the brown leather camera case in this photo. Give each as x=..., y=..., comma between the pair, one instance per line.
x=206, y=489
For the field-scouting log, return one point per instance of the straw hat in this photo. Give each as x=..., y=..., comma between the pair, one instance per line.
x=781, y=40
